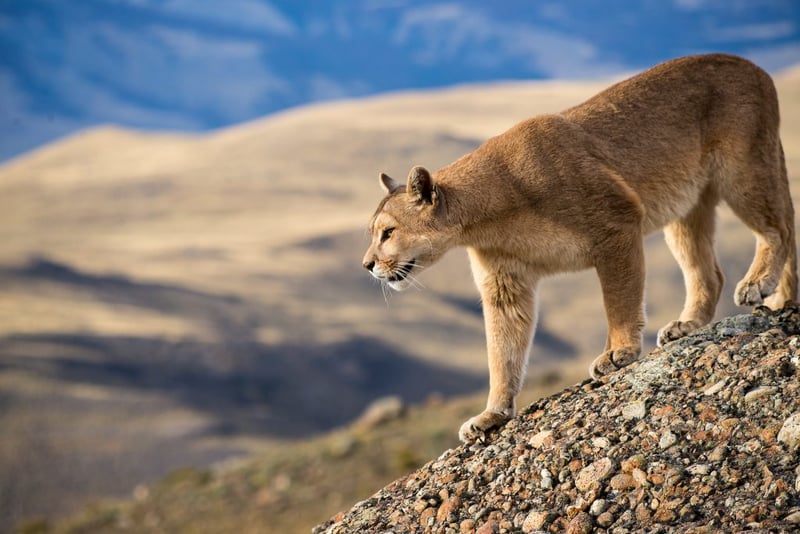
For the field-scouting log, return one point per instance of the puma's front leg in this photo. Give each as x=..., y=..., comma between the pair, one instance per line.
x=509, y=315
x=621, y=271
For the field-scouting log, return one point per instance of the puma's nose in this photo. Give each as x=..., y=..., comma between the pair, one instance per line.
x=368, y=265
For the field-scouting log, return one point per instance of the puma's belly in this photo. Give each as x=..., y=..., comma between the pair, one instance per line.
x=668, y=202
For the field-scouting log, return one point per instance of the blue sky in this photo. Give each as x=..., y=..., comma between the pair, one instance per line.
x=202, y=64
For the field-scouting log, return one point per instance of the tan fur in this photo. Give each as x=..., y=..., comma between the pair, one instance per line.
x=581, y=189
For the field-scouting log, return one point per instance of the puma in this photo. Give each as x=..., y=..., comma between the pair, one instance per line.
x=580, y=189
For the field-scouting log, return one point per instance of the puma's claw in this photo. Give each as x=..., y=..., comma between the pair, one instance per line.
x=752, y=293
x=611, y=361
x=676, y=330
x=475, y=428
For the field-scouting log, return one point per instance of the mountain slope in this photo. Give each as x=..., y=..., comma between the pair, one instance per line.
x=135, y=263
x=296, y=485
x=692, y=435
x=701, y=435
x=193, y=65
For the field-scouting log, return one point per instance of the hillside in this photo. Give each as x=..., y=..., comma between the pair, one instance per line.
x=170, y=300
x=700, y=436
x=293, y=487
x=704, y=414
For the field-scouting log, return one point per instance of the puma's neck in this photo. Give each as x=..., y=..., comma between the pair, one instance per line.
x=474, y=197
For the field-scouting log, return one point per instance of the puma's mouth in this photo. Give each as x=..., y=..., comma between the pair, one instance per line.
x=402, y=272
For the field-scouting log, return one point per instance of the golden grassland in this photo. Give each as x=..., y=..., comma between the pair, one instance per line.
x=135, y=263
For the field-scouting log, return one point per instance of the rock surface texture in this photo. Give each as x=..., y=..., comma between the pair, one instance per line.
x=701, y=435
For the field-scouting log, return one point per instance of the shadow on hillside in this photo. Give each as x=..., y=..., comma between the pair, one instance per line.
x=244, y=385
x=228, y=315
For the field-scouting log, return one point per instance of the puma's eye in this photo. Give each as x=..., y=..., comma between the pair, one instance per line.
x=386, y=234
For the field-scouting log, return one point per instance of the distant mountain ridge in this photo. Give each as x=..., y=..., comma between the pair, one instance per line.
x=191, y=65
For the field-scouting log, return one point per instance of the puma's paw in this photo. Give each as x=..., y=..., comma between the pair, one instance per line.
x=476, y=427
x=676, y=330
x=752, y=293
x=612, y=360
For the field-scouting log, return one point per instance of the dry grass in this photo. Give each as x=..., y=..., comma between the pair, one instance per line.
x=241, y=249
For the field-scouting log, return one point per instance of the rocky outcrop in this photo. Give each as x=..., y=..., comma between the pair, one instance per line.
x=702, y=435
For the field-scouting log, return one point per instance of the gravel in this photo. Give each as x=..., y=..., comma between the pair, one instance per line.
x=701, y=435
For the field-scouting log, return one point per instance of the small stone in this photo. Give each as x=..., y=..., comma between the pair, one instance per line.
x=664, y=515
x=622, y=482
x=769, y=434
x=794, y=518
x=380, y=411
x=662, y=412
x=668, y=439
x=729, y=332
x=420, y=505
x=790, y=432
x=673, y=476
x=534, y=521
x=427, y=517
x=640, y=477
x=759, y=393
x=547, y=480
x=598, y=507
x=687, y=513
x=605, y=519
x=594, y=473
x=467, y=526
x=714, y=388
x=699, y=469
x=542, y=439
x=634, y=410
x=141, y=493
x=601, y=443
x=635, y=461
x=447, y=510
x=718, y=454
x=580, y=524
x=642, y=513
x=490, y=527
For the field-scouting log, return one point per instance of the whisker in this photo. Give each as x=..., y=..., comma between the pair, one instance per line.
x=415, y=283
x=385, y=293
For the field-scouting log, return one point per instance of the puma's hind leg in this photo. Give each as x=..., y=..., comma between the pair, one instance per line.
x=787, y=287
x=691, y=241
x=764, y=204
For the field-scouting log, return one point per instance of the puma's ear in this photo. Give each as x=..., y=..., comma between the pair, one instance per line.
x=388, y=183
x=420, y=185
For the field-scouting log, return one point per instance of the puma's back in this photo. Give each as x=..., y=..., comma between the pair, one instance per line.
x=663, y=136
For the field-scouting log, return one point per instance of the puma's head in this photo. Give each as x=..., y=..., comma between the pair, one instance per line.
x=408, y=231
